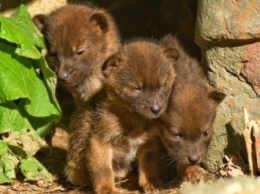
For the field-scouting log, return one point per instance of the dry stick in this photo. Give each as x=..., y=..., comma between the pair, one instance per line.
x=248, y=141
x=247, y=136
x=256, y=134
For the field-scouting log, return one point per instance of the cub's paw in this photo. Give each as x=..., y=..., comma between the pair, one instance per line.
x=113, y=191
x=153, y=187
x=193, y=173
x=123, y=191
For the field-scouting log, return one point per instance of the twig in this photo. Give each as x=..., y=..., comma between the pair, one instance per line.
x=250, y=130
x=247, y=136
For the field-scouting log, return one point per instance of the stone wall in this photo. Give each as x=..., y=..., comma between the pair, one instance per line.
x=228, y=33
x=7, y=7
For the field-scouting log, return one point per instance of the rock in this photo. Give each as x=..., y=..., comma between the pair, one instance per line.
x=228, y=34
x=33, y=7
x=227, y=21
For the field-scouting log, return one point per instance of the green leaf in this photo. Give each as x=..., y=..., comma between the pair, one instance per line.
x=8, y=166
x=3, y=178
x=12, y=80
x=15, y=118
x=18, y=127
x=12, y=118
x=22, y=19
x=51, y=81
x=20, y=30
x=34, y=170
x=42, y=125
x=30, y=141
x=3, y=148
x=28, y=106
x=22, y=81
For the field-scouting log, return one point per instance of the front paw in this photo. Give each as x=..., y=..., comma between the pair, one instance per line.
x=193, y=173
x=112, y=191
x=153, y=187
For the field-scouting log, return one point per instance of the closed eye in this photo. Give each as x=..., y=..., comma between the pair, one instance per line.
x=138, y=88
x=204, y=133
x=177, y=135
x=80, y=52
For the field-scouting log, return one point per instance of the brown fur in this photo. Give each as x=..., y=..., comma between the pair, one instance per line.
x=186, y=128
x=79, y=39
x=104, y=140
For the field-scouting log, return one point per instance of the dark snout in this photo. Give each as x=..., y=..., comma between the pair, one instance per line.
x=62, y=71
x=63, y=75
x=155, y=109
x=193, y=159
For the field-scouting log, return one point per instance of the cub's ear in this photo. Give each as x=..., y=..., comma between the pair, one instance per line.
x=100, y=20
x=111, y=65
x=40, y=21
x=171, y=53
x=169, y=41
x=216, y=96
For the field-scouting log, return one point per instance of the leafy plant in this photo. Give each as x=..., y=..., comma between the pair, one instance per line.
x=28, y=107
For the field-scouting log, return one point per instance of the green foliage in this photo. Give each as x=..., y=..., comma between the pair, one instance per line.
x=28, y=107
x=33, y=170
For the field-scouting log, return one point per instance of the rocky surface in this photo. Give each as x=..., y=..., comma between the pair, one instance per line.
x=228, y=33
x=33, y=6
x=227, y=20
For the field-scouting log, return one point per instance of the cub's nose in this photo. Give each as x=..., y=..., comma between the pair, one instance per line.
x=63, y=76
x=193, y=159
x=155, y=109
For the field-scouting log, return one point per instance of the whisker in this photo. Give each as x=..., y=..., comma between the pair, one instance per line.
x=171, y=161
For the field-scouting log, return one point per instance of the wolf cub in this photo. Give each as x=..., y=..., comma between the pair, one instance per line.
x=79, y=40
x=185, y=130
x=105, y=139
